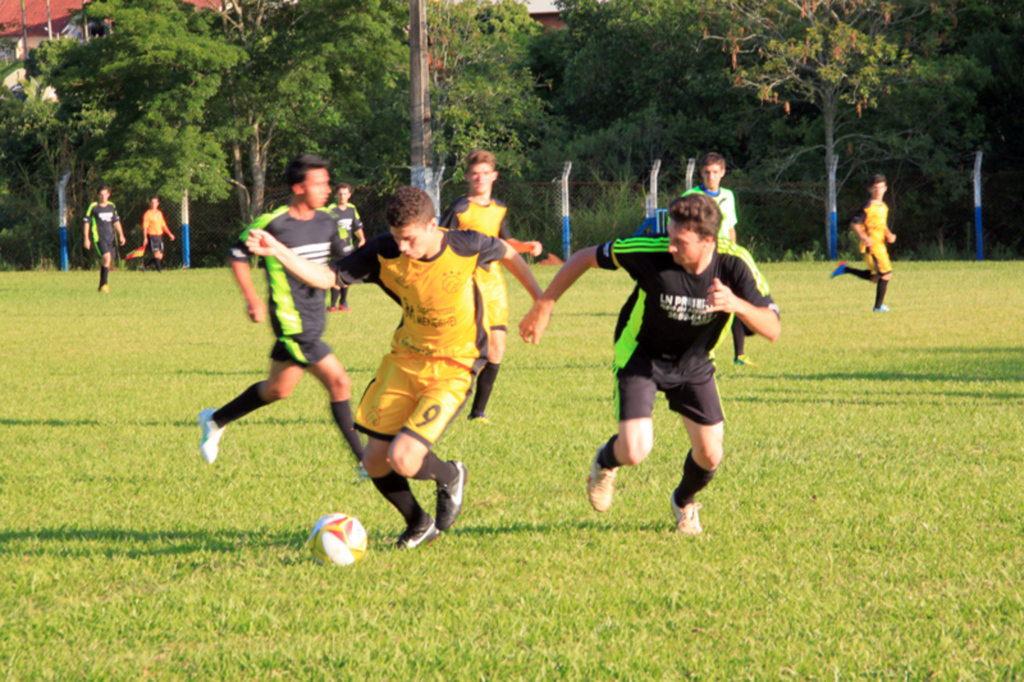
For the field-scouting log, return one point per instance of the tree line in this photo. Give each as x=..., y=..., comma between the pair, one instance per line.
x=216, y=100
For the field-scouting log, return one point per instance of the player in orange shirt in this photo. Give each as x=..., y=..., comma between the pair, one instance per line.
x=154, y=227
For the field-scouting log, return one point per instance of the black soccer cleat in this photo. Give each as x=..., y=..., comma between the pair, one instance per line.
x=449, y=499
x=414, y=537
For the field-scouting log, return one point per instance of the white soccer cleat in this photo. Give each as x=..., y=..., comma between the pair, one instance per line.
x=210, y=444
x=601, y=485
x=687, y=519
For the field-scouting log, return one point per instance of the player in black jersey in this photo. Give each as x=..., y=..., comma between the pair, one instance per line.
x=349, y=225
x=296, y=308
x=100, y=222
x=689, y=286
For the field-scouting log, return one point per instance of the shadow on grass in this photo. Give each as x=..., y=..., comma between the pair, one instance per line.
x=49, y=422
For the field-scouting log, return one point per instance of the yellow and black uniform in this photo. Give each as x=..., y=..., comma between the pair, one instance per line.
x=874, y=217
x=490, y=220
x=101, y=220
x=664, y=339
x=442, y=339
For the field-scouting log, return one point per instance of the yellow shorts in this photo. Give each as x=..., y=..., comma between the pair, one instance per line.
x=877, y=259
x=492, y=288
x=414, y=394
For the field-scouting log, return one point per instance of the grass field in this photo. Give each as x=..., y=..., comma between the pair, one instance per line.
x=865, y=524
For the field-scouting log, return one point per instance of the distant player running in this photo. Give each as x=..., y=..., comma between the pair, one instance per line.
x=688, y=286
x=296, y=308
x=480, y=212
x=154, y=227
x=349, y=225
x=100, y=223
x=712, y=170
x=440, y=344
x=871, y=224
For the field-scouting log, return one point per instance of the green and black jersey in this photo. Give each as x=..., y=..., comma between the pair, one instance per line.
x=101, y=220
x=295, y=307
x=665, y=314
x=348, y=221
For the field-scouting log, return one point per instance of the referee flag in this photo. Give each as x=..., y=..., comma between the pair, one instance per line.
x=137, y=253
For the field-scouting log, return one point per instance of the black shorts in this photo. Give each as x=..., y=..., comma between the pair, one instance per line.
x=105, y=244
x=156, y=243
x=303, y=350
x=694, y=397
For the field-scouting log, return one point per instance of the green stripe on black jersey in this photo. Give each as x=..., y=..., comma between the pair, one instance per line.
x=730, y=249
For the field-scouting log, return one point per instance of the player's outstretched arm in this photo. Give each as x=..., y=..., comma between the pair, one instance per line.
x=532, y=248
x=532, y=327
x=318, y=276
x=763, y=321
x=518, y=267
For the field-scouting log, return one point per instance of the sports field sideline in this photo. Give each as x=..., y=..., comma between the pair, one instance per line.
x=866, y=522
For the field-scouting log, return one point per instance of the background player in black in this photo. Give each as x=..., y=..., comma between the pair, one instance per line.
x=101, y=220
x=349, y=225
x=296, y=308
x=685, y=296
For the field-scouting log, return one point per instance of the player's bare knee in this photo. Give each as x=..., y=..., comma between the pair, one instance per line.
x=271, y=393
x=708, y=458
x=496, y=349
x=340, y=387
x=405, y=456
x=887, y=276
x=635, y=450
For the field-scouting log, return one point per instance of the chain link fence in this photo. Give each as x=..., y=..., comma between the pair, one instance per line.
x=933, y=217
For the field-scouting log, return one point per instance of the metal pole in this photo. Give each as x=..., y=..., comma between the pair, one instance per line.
x=652, y=196
x=419, y=86
x=691, y=164
x=186, y=246
x=566, y=169
x=434, y=189
x=62, y=202
x=833, y=225
x=977, y=206
x=49, y=24
x=24, y=32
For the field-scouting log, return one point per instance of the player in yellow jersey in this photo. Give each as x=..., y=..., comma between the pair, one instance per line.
x=871, y=224
x=479, y=211
x=440, y=344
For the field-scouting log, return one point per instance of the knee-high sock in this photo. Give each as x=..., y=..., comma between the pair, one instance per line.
x=883, y=284
x=436, y=469
x=343, y=296
x=334, y=297
x=245, y=403
x=342, y=413
x=104, y=271
x=863, y=274
x=484, y=386
x=395, y=490
x=159, y=264
x=606, y=457
x=695, y=479
x=739, y=336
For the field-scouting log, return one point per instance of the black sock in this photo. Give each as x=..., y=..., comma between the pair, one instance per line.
x=395, y=490
x=248, y=401
x=436, y=469
x=883, y=284
x=334, y=297
x=863, y=274
x=159, y=264
x=739, y=336
x=484, y=386
x=695, y=479
x=343, y=296
x=104, y=271
x=343, y=418
x=606, y=457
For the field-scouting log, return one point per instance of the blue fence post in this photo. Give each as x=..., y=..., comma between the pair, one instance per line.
x=186, y=246
x=832, y=238
x=63, y=207
x=977, y=207
x=566, y=248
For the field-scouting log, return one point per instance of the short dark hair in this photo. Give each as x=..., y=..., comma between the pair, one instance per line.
x=875, y=179
x=409, y=205
x=295, y=173
x=696, y=212
x=481, y=156
x=343, y=185
x=103, y=187
x=154, y=198
x=712, y=159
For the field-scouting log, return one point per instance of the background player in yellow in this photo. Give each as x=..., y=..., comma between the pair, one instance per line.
x=712, y=170
x=154, y=227
x=479, y=211
x=442, y=341
x=871, y=224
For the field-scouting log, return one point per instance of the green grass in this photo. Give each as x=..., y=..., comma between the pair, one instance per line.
x=865, y=524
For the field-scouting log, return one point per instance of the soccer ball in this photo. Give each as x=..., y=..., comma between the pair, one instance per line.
x=338, y=539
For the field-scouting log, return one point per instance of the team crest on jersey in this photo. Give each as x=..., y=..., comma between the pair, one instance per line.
x=451, y=281
x=373, y=418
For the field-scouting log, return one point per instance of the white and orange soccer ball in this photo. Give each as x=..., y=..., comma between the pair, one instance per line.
x=338, y=539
